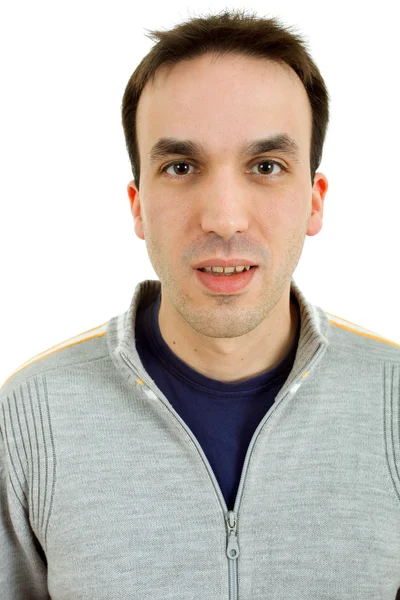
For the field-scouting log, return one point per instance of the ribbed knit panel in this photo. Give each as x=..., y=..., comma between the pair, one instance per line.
x=392, y=421
x=26, y=429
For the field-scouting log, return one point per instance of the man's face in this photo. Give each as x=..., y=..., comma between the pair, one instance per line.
x=223, y=203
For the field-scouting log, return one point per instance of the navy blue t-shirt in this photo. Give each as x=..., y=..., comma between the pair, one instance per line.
x=222, y=416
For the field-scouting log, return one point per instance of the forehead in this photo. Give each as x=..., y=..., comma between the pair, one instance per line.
x=222, y=101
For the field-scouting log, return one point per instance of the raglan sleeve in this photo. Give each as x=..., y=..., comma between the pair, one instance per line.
x=23, y=565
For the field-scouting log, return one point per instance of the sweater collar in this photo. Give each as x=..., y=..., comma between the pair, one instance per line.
x=121, y=332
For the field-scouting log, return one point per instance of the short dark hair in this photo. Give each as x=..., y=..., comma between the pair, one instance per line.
x=229, y=32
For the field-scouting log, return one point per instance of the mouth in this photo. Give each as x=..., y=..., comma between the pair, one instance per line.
x=226, y=283
x=229, y=274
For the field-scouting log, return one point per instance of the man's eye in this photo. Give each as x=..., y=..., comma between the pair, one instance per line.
x=177, y=167
x=269, y=170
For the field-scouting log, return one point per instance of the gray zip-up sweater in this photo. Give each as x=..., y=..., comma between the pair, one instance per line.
x=106, y=494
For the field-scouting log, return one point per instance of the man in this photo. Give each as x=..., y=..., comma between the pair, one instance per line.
x=223, y=438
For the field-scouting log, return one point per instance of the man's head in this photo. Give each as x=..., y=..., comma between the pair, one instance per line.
x=224, y=202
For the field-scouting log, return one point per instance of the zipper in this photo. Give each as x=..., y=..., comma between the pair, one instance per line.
x=230, y=516
x=232, y=552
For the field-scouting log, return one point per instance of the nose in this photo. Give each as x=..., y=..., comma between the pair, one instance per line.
x=225, y=206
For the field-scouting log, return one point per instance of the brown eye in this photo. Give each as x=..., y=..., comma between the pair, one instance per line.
x=266, y=167
x=179, y=168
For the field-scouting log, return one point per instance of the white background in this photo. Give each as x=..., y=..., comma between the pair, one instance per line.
x=70, y=259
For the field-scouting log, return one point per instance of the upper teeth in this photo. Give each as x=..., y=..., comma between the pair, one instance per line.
x=227, y=269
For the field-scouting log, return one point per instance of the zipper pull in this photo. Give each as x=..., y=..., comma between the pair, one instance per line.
x=232, y=548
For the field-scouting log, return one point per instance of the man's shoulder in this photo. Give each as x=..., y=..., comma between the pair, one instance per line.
x=81, y=348
x=360, y=341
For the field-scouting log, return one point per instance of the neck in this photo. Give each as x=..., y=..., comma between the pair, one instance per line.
x=233, y=359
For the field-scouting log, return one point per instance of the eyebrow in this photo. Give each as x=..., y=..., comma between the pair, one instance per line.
x=166, y=146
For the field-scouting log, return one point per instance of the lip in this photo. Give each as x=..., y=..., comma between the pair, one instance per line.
x=220, y=262
x=226, y=284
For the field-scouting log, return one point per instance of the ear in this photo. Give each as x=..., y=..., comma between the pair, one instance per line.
x=134, y=200
x=319, y=190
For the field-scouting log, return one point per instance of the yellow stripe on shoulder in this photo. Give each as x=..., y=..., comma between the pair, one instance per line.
x=358, y=329
x=95, y=332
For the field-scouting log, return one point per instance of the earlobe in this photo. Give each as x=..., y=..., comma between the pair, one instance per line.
x=138, y=227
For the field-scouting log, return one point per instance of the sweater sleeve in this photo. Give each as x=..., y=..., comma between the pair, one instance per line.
x=23, y=565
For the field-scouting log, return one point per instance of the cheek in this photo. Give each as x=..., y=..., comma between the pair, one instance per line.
x=291, y=205
x=163, y=227
x=163, y=207
x=278, y=209
x=283, y=220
